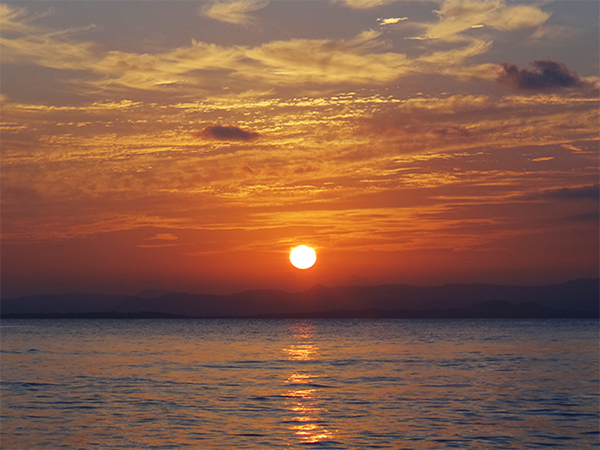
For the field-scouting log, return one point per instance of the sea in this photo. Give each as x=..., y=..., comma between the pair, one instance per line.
x=294, y=384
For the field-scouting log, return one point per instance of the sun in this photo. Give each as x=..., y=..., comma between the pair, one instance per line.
x=303, y=257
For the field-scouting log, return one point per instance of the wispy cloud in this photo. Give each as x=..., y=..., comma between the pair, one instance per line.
x=17, y=20
x=327, y=61
x=163, y=237
x=163, y=70
x=458, y=16
x=365, y=4
x=187, y=69
x=557, y=33
x=356, y=60
x=234, y=12
x=48, y=51
x=441, y=61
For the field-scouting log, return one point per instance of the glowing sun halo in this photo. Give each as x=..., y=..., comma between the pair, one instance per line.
x=303, y=257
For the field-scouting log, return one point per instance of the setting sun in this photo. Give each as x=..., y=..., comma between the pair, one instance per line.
x=303, y=257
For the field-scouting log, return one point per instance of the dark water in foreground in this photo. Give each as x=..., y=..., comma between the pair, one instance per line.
x=347, y=384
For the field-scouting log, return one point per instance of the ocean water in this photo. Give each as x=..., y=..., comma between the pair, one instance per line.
x=269, y=384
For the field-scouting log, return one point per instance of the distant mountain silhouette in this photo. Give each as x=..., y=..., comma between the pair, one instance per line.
x=577, y=298
x=153, y=293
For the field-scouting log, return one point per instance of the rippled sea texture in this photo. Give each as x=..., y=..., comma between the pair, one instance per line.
x=347, y=384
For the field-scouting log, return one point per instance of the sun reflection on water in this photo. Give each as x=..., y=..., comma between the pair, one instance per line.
x=308, y=421
x=301, y=352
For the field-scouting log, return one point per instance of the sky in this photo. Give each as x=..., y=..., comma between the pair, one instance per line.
x=188, y=146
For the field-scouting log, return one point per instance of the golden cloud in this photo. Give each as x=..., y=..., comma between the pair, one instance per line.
x=366, y=4
x=359, y=60
x=326, y=61
x=391, y=20
x=441, y=60
x=457, y=16
x=48, y=52
x=235, y=12
x=14, y=20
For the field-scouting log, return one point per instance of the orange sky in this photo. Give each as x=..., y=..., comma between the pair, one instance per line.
x=189, y=145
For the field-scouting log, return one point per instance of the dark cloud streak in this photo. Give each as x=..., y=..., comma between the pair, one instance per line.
x=225, y=133
x=581, y=193
x=547, y=75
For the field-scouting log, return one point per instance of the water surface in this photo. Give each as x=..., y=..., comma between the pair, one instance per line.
x=347, y=384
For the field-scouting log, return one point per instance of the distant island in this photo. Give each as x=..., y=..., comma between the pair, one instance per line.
x=573, y=299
